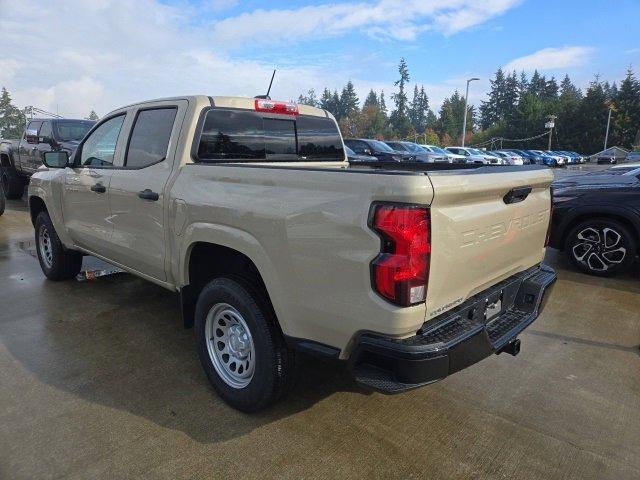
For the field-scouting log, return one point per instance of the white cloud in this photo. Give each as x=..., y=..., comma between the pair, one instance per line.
x=106, y=53
x=551, y=59
x=397, y=19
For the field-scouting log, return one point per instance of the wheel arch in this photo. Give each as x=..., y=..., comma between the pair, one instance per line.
x=217, y=256
x=626, y=218
x=36, y=206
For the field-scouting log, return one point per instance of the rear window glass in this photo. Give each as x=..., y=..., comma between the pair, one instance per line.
x=318, y=139
x=245, y=135
x=279, y=136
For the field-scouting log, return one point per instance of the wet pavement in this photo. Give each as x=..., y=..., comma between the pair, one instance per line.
x=98, y=379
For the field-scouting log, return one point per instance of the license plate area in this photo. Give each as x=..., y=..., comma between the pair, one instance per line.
x=493, y=306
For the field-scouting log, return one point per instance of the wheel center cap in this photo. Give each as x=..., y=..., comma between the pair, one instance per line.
x=238, y=341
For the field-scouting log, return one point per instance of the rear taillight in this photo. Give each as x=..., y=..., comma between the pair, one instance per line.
x=401, y=270
x=271, y=106
x=546, y=240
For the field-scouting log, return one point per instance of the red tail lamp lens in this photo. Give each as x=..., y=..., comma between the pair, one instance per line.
x=401, y=270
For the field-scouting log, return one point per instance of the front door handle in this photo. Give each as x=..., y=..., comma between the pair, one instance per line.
x=147, y=194
x=98, y=188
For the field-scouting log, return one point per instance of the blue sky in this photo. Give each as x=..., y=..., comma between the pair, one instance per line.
x=102, y=54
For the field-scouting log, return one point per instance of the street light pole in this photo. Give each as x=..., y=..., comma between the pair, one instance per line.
x=466, y=100
x=606, y=136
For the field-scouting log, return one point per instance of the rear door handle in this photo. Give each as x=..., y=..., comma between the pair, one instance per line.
x=517, y=194
x=98, y=188
x=147, y=194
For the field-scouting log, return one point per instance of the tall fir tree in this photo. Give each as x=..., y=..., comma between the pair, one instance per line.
x=400, y=116
x=419, y=109
x=348, y=100
x=626, y=122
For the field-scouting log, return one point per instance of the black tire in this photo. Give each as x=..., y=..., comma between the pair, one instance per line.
x=274, y=368
x=63, y=264
x=12, y=184
x=601, y=247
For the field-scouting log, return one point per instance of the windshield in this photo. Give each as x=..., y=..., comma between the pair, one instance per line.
x=349, y=151
x=475, y=151
x=381, y=146
x=71, y=130
x=414, y=147
x=438, y=150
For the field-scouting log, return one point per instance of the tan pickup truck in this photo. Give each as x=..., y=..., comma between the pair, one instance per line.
x=249, y=209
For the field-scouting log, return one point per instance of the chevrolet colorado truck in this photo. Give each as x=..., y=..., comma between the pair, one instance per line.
x=276, y=244
x=19, y=159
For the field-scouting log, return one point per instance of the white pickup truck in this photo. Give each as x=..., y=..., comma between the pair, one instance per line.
x=249, y=209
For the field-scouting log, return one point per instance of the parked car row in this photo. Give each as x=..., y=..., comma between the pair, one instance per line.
x=365, y=149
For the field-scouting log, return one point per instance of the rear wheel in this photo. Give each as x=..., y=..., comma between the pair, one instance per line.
x=12, y=184
x=240, y=347
x=601, y=247
x=56, y=262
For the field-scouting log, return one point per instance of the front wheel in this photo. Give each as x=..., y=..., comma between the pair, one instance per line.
x=601, y=247
x=240, y=347
x=56, y=262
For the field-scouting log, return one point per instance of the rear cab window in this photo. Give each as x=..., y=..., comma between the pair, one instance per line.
x=243, y=135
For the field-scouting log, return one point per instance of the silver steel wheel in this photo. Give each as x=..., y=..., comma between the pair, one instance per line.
x=230, y=345
x=599, y=249
x=45, y=246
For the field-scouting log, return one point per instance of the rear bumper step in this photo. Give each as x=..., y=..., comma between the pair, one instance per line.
x=457, y=338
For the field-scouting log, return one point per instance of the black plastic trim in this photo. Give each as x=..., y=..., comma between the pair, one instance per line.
x=455, y=339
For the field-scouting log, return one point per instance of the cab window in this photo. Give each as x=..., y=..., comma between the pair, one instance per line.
x=150, y=137
x=99, y=148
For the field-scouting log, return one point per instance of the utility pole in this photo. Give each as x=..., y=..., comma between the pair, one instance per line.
x=466, y=101
x=606, y=136
x=550, y=124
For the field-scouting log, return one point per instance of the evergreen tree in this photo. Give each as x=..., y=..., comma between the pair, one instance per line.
x=348, y=100
x=452, y=117
x=309, y=99
x=537, y=85
x=592, y=118
x=400, y=116
x=326, y=101
x=567, y=110
x=626, y=121
x=93, y=116
x=419, y=109
x=12, y=119
x=371, y=100
x=338, y=111
x=383, y=105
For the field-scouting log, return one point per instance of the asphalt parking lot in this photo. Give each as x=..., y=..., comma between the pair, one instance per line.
x=98, y=379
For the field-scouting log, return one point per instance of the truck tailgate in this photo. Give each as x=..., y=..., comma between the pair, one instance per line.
x=480, y=238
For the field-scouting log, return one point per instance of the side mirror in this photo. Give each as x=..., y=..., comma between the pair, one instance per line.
x=367, y=151
x=31, y=136
x=56, y=159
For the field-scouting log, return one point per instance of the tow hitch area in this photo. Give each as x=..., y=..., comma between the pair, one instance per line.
x=512, y=348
